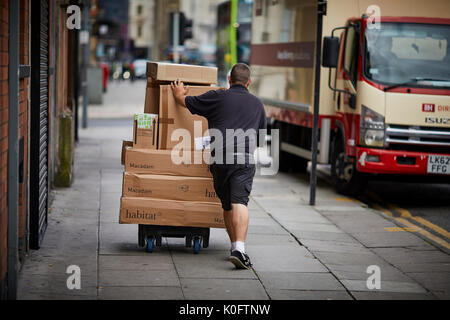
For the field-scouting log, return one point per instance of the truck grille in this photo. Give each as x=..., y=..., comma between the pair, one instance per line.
x=417, y=136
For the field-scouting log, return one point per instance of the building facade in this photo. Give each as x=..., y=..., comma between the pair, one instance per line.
x=141, y=24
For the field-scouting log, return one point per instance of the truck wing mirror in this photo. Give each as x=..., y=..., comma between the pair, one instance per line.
x=330, y=52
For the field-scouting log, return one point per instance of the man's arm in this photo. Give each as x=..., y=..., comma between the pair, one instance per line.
x=180, y=92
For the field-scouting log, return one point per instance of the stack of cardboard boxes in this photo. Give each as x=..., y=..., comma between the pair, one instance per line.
x=157, y=189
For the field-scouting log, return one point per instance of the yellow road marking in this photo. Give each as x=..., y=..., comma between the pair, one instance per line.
x=401, y=229
x=425, y=233
x=407, y=214
x=411, y=227
x=403, y=212
x=343, y=199
x=432, y=226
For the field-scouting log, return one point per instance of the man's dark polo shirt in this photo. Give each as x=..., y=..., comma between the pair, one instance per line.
x=235, y=108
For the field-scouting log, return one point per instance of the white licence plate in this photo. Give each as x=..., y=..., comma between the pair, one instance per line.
x=438, y=164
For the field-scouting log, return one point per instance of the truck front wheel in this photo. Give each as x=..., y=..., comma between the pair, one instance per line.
x=347, y=180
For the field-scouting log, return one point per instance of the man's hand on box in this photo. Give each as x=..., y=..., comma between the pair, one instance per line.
x=180, y=91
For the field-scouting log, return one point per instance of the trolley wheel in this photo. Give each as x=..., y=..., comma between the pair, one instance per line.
x=196, y=245
x=150, y=245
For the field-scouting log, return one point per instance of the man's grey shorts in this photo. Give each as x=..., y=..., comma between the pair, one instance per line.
x=233, y=183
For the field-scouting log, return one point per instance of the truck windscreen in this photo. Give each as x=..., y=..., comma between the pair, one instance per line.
x=398, y=52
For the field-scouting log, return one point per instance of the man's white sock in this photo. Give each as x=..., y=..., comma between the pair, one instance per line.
x=240, y=246
x=233, y=246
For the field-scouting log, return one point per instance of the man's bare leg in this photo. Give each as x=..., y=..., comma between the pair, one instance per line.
x=228, y=219
x=240, y=226
x=240, y=222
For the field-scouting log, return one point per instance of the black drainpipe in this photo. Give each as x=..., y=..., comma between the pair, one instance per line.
x=13, y=150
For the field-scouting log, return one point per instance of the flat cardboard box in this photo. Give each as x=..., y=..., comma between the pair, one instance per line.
x=169, y=187
x=125, y=144
x=149, y=211
x=159, y=71
x=145, y=131
x=173, y=116
x=160, y=162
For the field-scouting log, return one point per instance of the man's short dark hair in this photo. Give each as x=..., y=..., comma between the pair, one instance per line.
x=240, y=73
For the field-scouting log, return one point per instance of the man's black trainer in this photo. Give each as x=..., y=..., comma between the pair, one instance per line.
x=240, y=260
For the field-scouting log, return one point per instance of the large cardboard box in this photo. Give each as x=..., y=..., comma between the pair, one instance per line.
x=145, y=131
x=161, y=162
x=173, y=116
x=169, y=187
x=161, y=212
x=187, y=73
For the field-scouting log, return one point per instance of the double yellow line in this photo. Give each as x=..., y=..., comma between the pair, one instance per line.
x=405, y=220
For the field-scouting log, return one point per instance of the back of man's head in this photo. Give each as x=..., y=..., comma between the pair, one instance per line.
x=240, y=73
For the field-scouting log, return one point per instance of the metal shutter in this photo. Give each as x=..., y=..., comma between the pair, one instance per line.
x=39, y=120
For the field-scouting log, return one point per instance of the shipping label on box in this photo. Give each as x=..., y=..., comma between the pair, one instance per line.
x=145, y=131
x=169, y=187
x=188, y=163
x=203, y=143
x=148, y=211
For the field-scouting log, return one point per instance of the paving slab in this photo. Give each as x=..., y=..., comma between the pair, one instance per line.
x=300, y=281
x=433, y=281
x=388, y=239
x=365, y=225
x=54, y=285
x=277, y=294
x=423, y=267
x=313, y=227
x=359, y=272
x=296, y=218
x=133, y=278
x=265, y=226
x=157, y=261
x=268, y=239
x=406, y=255
x=288, y=259
x=208, y=265
x=140, y=293
x=322, y=235
x=350, y=259
x=377, y=295
x=386, y=286
x=223, y=289
x=333, y=246
x=31, y=296
x=46, y=264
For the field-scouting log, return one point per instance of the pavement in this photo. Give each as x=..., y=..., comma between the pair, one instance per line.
x=298, y=251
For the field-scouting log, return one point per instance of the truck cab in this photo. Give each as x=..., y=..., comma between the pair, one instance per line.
x=392, y=106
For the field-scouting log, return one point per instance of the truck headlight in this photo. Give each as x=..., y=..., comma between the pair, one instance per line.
x=372, y=128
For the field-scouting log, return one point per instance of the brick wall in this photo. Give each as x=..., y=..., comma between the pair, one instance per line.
x=23, y=120
x=4, y=17
x=23, y=130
